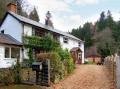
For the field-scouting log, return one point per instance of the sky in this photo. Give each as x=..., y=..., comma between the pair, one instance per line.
x=69, y=14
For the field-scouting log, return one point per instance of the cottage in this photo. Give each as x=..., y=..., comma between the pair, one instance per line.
x=10, y=50
x=18, y=26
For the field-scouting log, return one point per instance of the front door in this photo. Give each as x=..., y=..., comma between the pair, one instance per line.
x=79, y=57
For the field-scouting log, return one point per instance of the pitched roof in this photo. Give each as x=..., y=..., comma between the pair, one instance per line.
x=34, y=23
x=76, y=49
x=9, y=40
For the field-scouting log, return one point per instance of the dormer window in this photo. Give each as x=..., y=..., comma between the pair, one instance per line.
x=79, y=44
x=65, y=40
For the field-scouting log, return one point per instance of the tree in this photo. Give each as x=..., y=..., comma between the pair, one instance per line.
x=34, y=15
x=102, y=22
x=20, y=6
x=48, y=19
x=109, y=20
x=84, y=33
x=105, y=42
x=2, y=8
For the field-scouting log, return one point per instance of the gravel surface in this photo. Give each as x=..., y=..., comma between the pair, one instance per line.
x=87, y=77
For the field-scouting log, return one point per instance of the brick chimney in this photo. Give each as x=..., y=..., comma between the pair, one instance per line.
x=12, y=7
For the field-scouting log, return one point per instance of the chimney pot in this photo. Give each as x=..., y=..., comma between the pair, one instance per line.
x=12, y=7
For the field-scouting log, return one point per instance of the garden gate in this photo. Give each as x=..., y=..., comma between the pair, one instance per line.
x=42, y=72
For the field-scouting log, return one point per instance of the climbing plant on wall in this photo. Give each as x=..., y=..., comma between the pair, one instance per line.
x=46, y=43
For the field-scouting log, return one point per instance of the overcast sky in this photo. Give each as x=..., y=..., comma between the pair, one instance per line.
x=68, y=14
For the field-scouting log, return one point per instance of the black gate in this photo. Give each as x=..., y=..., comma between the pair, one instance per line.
x=42, y=70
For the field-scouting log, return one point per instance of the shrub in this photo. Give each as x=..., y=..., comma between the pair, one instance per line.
x=57, y=67
x=17, y=73
x=57, y=70
x=63, y=54
x=6, y=76
x=68, y=61
x=70, y=65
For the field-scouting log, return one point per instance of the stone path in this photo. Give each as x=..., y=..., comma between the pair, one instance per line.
x=87, y=77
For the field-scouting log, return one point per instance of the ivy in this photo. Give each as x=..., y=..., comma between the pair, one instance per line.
x=46, y=43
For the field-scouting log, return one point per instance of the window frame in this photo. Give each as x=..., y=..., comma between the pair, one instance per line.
x=79, y=44
x=10, y=52
x=65, y=40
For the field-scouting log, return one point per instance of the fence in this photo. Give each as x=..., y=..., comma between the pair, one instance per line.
x=113, y=64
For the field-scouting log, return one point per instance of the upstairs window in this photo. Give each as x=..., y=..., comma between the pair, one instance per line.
x=65, y=40
x=79, y=44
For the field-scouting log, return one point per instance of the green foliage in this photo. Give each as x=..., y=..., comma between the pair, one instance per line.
x=57, y=67
x=46, y=43
x=66, y=57
x=17, y=73
x=30, y=55
x=106, y=35
x=70, y=65
x=102, y=22
x=63, y=54
x=84, y=33
x=109, y=21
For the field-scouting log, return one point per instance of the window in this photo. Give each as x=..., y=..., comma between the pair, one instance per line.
x=80, y=56
x=12, y=52
x=15, y=52
x=7, y=52
x=79, y=44
x=65, y=39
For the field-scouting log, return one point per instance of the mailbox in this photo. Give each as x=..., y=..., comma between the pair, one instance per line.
x=37, y=66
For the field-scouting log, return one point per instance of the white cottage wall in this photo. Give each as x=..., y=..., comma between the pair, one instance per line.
x=12, y=27
x=2, y=53
x=71, y=44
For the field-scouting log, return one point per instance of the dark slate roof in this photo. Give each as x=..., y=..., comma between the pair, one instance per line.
x=8, y=40
x=31, y=22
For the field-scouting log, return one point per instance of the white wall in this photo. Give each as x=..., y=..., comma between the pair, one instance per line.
x=82, y=48
x=71, y=44
x=27, y=30
x=7, y=62
x=12, y=27
x=1, y=53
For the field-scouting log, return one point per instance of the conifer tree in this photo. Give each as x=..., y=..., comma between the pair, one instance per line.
x=34, y=15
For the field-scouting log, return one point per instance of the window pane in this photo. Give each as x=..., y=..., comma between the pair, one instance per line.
x=7, y=52
x=15, y=52
x=65, y=40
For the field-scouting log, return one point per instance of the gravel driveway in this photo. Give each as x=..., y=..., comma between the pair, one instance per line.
x=87, y=77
